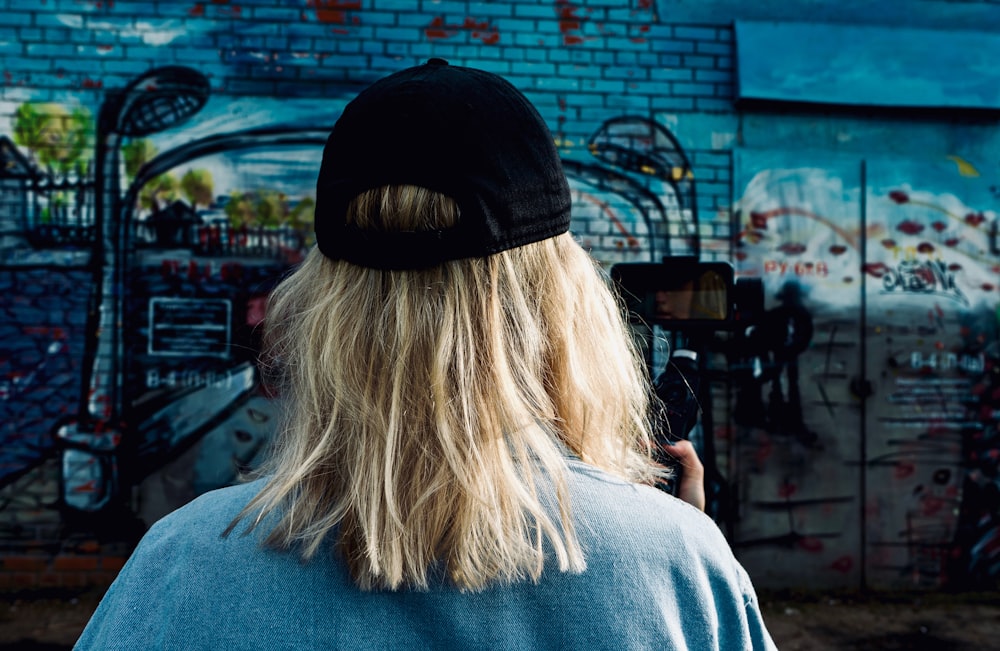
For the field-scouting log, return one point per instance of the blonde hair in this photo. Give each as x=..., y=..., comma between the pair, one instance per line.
x=425, y=407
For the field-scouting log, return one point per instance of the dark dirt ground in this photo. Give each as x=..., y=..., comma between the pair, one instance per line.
x=51, y=621
x=923, y=621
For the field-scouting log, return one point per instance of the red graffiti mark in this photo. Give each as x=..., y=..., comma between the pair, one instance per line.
x=759, y=219
x=645, y=4
x=988, y=287
x=105, y=48
x=975, y=218
x=483, y=31
x=231, y=271
x=170, y=267
x=569, y=22
x=904, y=470
x=939, y=226
x=910, y=227
x=470, y=23
x=606, y=210
x=925, y=274
x=811, y=544
x=88, y=487
x=333, y=11
x=899, y=196
x=91, y=83
x=740, y=255
x=838, y=249
x=951, y=241
x=844, y=564
x=932, y=505
x=782, y=268
x=55, y=333
x=197, y=10
x=954, y=266
x=326, y=11
x=435, y=30
x=925, y=247
x=792, y=248
x=876, y=269
x=889, y=243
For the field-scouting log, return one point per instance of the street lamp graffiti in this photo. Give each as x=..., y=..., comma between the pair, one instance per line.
x=155, y=101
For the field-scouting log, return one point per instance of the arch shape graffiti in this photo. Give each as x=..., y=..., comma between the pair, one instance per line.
x=648, y=151
x=90, y=474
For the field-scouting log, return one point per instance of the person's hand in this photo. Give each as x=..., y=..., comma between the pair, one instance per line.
x=692, y=486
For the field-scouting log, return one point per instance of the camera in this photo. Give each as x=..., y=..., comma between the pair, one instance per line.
x=679, y=294
x=685, y=297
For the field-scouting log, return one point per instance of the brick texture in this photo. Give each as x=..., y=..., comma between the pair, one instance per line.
x=585, y=64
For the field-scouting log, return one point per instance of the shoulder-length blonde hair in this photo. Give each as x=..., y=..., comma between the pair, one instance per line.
x=423, y=406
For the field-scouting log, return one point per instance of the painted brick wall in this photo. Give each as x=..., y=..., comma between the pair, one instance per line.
x=579, y=62
x=655, y=77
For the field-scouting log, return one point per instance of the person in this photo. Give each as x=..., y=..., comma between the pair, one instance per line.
x=702, y=298
x=674, y=303
x=465, y=457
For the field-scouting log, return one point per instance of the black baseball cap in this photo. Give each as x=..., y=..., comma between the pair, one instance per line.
x=462, y=132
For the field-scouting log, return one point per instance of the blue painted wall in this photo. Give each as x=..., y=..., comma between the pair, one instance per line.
x=130, y=296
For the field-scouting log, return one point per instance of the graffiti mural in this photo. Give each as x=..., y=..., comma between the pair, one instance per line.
x=172, y=255
x=156, y=172
x=634, y=194
x=796, y=421
x=178, y=240
x=900, y=393
x=934, y=324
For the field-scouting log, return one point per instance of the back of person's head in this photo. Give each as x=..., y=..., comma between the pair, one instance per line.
x=445, y=346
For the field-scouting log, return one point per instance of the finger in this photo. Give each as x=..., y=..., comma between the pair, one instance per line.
x=692, y=476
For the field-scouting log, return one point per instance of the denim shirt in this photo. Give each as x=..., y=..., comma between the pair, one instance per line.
x=659, y=575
